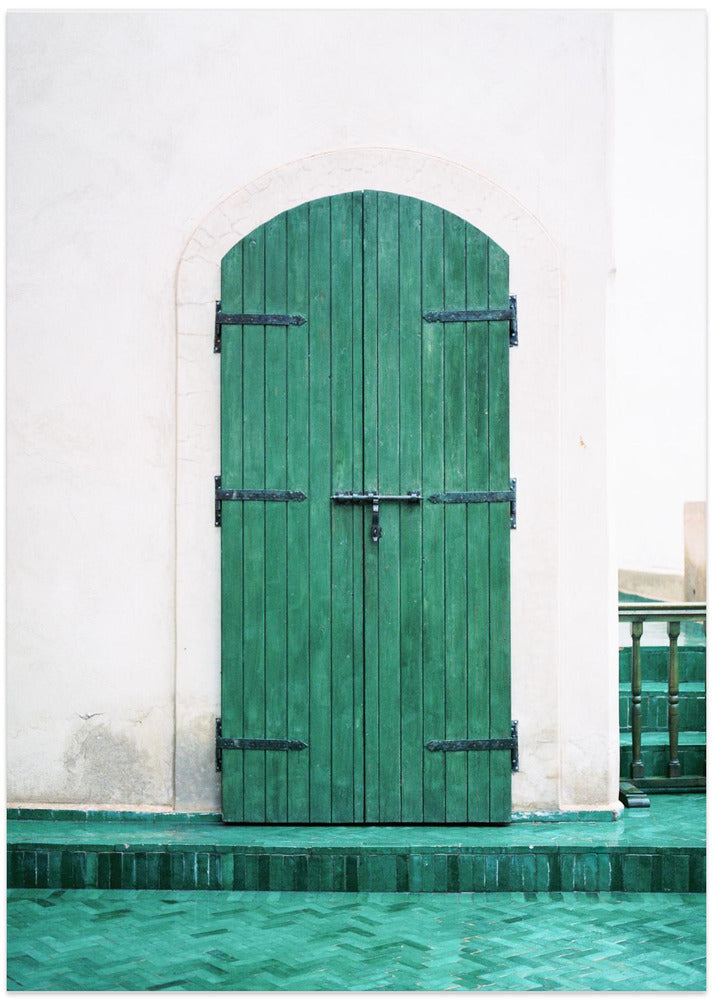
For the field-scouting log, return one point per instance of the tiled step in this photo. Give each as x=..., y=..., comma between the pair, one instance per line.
x=655, y=754
x=660, y=852
x=654, y=707
x=654, y=664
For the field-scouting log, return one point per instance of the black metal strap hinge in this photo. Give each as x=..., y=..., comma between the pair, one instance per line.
x=250, y=319
x=511, y=744
x=483, y=496
x=247, y=495
x=228, y=743
x=479, y=316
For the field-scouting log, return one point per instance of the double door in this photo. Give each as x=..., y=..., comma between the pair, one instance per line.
x=365, y=583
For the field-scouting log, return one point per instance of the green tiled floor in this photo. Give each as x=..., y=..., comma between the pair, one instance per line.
x=673, y=821
x=145, y=940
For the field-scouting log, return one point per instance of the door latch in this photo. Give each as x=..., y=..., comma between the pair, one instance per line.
x=375, y=499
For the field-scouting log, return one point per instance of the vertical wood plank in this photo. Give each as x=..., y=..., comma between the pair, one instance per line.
x=432, y=421
x=298, y=618
x=455, y=518
x=372, y=748
x=411, y=516
x=276, y=519
x=320, y=489
x=478, y=609
x=358, y=533
x=499, y=436
x=389, y=655
x=254, y=526
x=342, y=516
x=231, y=446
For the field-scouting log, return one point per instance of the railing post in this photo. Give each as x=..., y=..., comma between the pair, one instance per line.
x=637, y=764
x=674, y=766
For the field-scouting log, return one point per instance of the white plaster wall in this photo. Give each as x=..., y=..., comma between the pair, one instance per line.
x=660, y=218
x=138, y=142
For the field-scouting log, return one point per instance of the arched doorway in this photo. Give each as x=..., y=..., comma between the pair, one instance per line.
x=364, y=500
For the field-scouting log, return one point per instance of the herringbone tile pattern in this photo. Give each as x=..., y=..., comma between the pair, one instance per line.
x=145, y=940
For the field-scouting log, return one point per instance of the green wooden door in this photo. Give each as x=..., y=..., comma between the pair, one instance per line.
x=364, y=651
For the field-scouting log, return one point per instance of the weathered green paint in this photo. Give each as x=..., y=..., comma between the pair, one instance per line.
x=365, y=651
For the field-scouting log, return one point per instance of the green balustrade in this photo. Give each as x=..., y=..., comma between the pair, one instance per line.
x=678, y=775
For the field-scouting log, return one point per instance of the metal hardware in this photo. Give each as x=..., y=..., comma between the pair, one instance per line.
x=483, y=496
x=479, y=316
x=375, y=499
x=228, y=743
x=511, y=744
x=259, y=495
x=250, y=319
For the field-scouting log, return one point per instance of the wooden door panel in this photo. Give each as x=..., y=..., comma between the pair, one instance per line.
x=363, y=650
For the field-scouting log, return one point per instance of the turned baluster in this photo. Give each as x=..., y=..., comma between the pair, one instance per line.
x=674, y=765
x=637, y=764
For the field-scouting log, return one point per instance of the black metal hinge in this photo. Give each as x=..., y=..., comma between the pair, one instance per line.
x=228, y=743
x=247, y=495
x=479, y=316
x=483, y=496
x=511, y=744
x=250, y=319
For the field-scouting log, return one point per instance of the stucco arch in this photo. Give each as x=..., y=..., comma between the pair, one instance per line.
x=535, y=377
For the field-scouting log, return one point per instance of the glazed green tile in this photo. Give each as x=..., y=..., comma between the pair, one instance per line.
x=239, y=871
x=299, y=876
x=248, y=941
x=440, y=872
x=636, y=870
x=402, y=882
x=672, y=820
x=314, y=881
x=176, y=877
x=675, y=874
x=698, y=872
x=13, y=876
x=567, y=872
x=274, y=880
x=54, y=875
x=103, y=870
x=415, y=866
x=529, y=872
x=17, y=869
x=331, y=872
x=510, y=873
x=339, y=873
x=354, y=873
x=491, y=873
x=465, y=872
x=141, y=870
x=617, y=872
x=201, y=870
x=542, y=883
x=128, y=870
x=92, y=870
x=586, y=872
x=604, y=865
x=263, y=872
x=382, y=874
x=555, y=879
x=426, y=880
x=250, y=872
